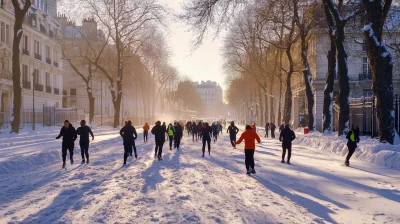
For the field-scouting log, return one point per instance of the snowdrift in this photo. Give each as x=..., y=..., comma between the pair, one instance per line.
x=369, y=150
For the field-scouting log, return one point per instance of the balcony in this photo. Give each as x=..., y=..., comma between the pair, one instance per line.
x=38, y=87
x=25, y=51
x=51, y=34
x=365, y=76
x=48, y=89
x=5, y=75
x=55, y=64
x=26, y=84
x=72, y=92
x=48, y=61
x=65, y=92
x=56, y=91
x=38, y=56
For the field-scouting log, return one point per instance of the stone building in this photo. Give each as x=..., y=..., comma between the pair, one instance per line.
x=211, y=96
x=41, y=66
x=360, y=77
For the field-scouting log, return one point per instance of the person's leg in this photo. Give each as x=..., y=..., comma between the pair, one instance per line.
x=134, y=148
x=127, y=147
x=246, y=160
x=178, y=143
x=209, y=145
x=71, y=153
x=82, y=145
x=251, y=159
x=160, y=149
x=350, y=153
x=231, y=138
x=283, y=152
x=204, y=145
x=156, y=148
x=289, y=153
x=64, y=153
x=170, y=142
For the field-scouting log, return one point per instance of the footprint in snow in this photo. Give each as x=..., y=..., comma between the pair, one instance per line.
x=205, y=182
x=118, y=197
x=184, y=198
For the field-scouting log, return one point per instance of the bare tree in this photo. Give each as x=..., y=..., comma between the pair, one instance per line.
x=125, y=22
x=381, y=64
x=20, y=10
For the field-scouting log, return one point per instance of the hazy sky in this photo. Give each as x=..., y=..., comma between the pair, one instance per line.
x=204, y=63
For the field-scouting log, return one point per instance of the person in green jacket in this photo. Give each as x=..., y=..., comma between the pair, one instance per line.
x=171, y=133
x=353, y=138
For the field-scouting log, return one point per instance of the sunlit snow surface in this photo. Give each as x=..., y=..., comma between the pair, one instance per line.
x=186, y=188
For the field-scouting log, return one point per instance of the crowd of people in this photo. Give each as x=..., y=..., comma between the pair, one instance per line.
x=199, y=131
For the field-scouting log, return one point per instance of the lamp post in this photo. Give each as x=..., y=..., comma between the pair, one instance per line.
x=33, y=99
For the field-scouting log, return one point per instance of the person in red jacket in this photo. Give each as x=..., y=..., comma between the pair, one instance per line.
x=254, y=127
x=249, y=137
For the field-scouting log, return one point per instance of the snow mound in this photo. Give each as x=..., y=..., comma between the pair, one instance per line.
x=369, y=150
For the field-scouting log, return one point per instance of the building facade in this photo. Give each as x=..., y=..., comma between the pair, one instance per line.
x=41, y=67
x=360, y=76
x=211, y=96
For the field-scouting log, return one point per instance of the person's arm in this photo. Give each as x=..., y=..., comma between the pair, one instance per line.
x=293, y=136
x=348, y=135
x=61, y=133
x=240, y=139
x=75, y=135
x=258, y=138
x=134, y=133
x=281, y=136
x=152, y=130
x=237, y=129
x=227, y=130
x=121, y=132
x=91, y=133
x=78, y=131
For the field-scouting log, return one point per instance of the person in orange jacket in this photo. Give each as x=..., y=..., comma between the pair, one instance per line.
x=254, y=128
x=146, y=128
x=249, y=137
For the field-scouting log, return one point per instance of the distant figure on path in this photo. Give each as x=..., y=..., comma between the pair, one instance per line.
x=272, y=130
x=159, y=134
x=266, y=129
x=68, y=143
x=233, y=130
x=84, y=132
x=286, y=137
x=146, y=128
x=353, y=138
x=206, y=131
x=128, y=134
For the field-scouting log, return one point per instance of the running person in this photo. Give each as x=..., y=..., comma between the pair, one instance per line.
x=232, y=130
x=159, y=134
x=206, y=133
x=194, y=130
x=171, y=133
x=215, y=131
x=266, y=129
x=286, y=137
x=128, y=134
x=84, y=132
x=353, y=138
x=146, y=128
x=178, y=135
x=249, y=137
x=68, y=143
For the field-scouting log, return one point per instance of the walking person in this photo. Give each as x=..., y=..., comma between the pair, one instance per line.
x=282, y=126
x=286, y=137
x=249, y=137
x=206, y=133
x=232, y=130
x=215, y=131
x=146, y=128
x=254, y=127
x=178, y=135
x=201, y=124
x=266, y=129
x=128, y=134
x=68, y=143
x=171, y=133
x=84, y=132
x=273, y=127
x=353, y=138
x=194, y=130
x=188, y=126
x=159, y=135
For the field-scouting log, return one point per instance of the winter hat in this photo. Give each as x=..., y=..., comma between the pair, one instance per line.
x=248, y=127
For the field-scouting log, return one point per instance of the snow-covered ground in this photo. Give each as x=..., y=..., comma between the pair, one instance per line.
x=186, y=188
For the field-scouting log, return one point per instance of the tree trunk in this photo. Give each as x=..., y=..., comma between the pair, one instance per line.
x=344, y=87
x=280, y=102
x=381, y=64
x=16, y=70
x=288, y=100
x=266, y=104
x=330, y=78
x=91, y=106
x=307, y=79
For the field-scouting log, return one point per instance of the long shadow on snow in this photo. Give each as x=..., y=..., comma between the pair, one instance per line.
x=64, y=201
x=152, y=175
x=314, y=207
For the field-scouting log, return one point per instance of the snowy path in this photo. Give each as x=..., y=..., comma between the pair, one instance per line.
x=186, y=188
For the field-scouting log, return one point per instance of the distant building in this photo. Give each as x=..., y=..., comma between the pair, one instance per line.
x=211, y=96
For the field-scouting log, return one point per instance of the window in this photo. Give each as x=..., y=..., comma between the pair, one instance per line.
x=367, y=93
x=36, y=76
x=366, y=68
x=48, y=79
x=364, y=46
x=25, y=76
x=55, y=81
x=37, y=47
x=72, y=92
x=5, y=63
x=47, y=52
x=3, y=34
x=25, y=42
x=7, y=34
x=55, y=55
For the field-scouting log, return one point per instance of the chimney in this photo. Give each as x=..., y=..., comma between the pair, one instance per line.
x=89, y=28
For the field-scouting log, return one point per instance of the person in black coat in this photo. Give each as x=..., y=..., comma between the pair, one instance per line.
x=178, y=135
x=84, y=132
x=286, y=137
x=128, y=133
x=194, y=130
x=353, y=138
x=266, y=129
x=206, y=131
x=68, y=143
x=159, y=136
x=233, y=130
x=272, y=126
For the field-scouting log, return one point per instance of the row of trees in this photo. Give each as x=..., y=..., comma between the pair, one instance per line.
x=132, y=53
x=268, y=42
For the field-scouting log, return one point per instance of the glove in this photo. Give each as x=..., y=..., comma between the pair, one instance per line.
x=92, y=138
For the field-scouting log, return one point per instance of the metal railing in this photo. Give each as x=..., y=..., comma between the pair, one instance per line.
x=365, y=76
x=55, y=63
x=38, y=56
x=25, y=51
x=5, y=75
x=48, y=61
x=48, y=89
x=56, y=91
x=26, y=84
x=38, y=87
